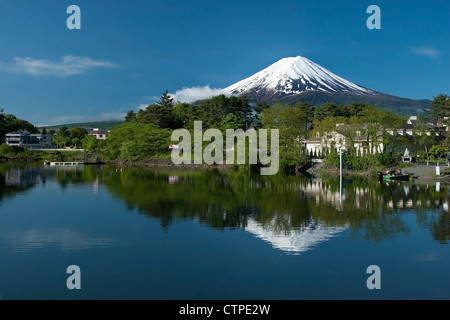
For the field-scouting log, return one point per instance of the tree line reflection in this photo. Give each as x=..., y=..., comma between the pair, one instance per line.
x=291, y=212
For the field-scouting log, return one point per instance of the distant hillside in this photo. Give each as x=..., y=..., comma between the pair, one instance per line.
x=402, y=106
x=101, y=125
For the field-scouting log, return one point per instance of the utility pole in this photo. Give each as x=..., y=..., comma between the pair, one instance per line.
x=340, y=175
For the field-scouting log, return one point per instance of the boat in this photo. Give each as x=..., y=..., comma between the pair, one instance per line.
x=74, y=163
x=394, y=175
x=403, y=177
x=53, y=164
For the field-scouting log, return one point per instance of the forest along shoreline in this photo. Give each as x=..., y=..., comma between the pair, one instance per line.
x=420, y=172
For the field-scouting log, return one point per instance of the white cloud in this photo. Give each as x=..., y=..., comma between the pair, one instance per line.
x=425, y=51
x=68, y=66
x=193, y=94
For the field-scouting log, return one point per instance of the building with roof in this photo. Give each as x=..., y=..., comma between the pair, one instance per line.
x=99, y=135
x=25, y=139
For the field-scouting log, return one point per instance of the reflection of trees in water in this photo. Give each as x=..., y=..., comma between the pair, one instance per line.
x=376, y=209
x=207, y=197
x=74, y=175
x=278, y=204
x=440, y=226
x=16, y=178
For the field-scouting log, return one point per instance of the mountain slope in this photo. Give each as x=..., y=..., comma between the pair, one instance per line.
x=297, y=79
x=101, y=125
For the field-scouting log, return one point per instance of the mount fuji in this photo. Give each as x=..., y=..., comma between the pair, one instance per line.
x=296, y=79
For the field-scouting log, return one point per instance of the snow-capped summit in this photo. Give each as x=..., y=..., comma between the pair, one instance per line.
x=292, y=76
x=296, y=240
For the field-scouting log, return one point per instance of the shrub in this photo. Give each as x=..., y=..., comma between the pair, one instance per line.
x=10, y=150
x=385, y=160
x=5, y=149
x=438, y=152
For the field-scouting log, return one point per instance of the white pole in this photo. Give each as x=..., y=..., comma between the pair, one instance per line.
x=340, y=180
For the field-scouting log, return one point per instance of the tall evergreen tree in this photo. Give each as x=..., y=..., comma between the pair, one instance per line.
x=131, y=116
x=439, y=111
x=159, y=114
x=166, y=101
x=260, y=106
x=2, y=116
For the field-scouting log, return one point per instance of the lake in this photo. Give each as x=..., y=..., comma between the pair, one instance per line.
x=138, y=233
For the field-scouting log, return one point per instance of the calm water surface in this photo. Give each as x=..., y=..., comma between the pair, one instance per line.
x=143, y=234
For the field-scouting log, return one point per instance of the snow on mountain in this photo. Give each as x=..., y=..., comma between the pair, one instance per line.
x=295, y=241
x=295, y=75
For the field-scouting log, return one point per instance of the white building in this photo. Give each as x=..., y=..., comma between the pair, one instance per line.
x=28, y=140
x=99, y=135
x=324, y=143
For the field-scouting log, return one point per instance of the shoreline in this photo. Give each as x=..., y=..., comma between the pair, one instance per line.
x=420, y=172
x=168, y=164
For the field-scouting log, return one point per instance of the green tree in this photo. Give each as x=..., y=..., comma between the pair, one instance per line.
x=2, y=125
x=131, y=116
x=89, y=143
x=231, y=121
x=290, y=122
x=439, y=111
x=75, y=142
x=153, y=114
x=246, y=112
x=77, y=134
x=328, y=109
x=240, y=107
x=2, y=116
x=159, y=114
x=212, y=111
x=62, y=137
x=261, y=106
x=423, y=133
x=166, y=101
x=136, y=141
x=129, y=150
x=166, y=104
x=185, y=114
x=12, y=123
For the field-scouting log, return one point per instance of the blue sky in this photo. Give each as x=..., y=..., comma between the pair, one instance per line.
x=127, y=53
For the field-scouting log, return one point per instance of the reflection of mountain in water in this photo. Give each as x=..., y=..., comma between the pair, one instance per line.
x=293, y=213
x=295, y=240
